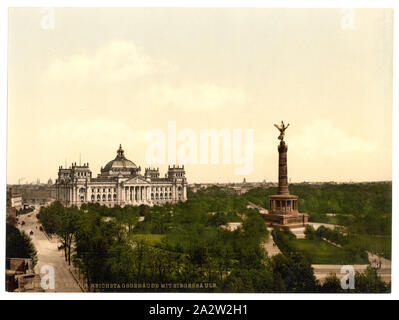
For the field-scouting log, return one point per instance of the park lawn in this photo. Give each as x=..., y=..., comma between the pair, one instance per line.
x=380, y=245
x=321, y=252
x=333, y=220
x=150, y=238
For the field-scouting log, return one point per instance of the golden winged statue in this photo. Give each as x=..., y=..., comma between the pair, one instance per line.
x=282, y=129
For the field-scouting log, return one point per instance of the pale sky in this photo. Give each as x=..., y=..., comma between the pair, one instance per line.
x=107, y=76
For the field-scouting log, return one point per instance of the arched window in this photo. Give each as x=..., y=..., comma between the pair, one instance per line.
x=92, y=197
x=109, y=197
x=104, y=197
x=98, y=197
x=115, y=196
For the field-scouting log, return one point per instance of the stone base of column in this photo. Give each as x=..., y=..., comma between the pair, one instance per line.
x=297, y=220
x=284, y=212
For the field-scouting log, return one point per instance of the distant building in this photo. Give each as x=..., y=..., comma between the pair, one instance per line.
x=120, y=183
x=35, y=194
x=240, y=188
x=11, y=213
x=15, y=199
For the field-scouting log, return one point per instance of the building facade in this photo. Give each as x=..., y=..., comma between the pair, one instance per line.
x=121, y=183
x=15, y=199
x=11, y=212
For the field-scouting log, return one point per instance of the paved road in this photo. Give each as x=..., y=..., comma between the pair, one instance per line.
x=321, y=271
x=261, y=210
x=48, y=254
x=270, y=245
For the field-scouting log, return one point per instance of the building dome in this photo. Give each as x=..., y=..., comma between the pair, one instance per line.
x=120, y=163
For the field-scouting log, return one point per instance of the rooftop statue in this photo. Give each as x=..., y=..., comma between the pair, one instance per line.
x=282, y=129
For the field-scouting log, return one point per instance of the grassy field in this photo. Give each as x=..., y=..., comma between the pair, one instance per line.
x=380, y=245
x=151, y=239
x=321, y=252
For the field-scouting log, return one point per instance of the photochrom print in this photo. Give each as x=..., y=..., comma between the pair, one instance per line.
x=201, y=150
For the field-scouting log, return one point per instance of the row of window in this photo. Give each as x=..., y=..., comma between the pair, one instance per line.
x=161, y=196
x=160, y=189
x=83, y=174
x=93, y=190
x=115, y=197
x=104, y=197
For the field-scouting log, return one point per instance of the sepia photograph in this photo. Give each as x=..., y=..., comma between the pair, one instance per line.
x=199, y=150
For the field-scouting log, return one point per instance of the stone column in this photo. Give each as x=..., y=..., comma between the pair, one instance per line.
x=174, y=196
x=184, y=192
x=282, y=169
x=148, y=194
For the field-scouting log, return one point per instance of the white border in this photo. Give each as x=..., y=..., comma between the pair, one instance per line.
x=5, y=4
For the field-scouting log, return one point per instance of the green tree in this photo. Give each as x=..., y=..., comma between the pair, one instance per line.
x=331, y=284
x=19, y=244
x=370, y=282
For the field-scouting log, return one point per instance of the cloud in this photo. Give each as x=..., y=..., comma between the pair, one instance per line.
x=93, y=132
x=205, y=97
x=117, y=61
x=110, y=70
x=322, y=139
